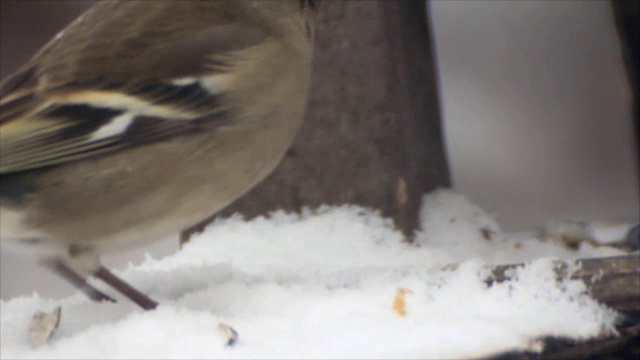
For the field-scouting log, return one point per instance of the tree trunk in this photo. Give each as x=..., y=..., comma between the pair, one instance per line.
x=627, y=15
x=372, y=132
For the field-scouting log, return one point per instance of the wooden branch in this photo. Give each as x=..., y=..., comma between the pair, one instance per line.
x=620, y=347
x=614, y=281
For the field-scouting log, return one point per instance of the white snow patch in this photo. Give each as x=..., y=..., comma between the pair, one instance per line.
x=322, y=285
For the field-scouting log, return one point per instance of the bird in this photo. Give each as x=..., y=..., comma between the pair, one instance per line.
x=142, y=118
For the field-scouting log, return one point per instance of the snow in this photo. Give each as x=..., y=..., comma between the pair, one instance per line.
x=335, y=282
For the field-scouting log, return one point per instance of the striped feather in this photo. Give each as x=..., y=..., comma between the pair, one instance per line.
x=76, y=124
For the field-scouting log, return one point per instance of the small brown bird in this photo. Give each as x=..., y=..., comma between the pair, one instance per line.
x=142, y=118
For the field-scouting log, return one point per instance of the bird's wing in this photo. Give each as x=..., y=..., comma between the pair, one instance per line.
x=47, y=118
x=71, y=123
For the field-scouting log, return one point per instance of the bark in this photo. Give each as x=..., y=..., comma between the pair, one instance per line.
x=372, y=132
x=627, y=15
x=614, y=281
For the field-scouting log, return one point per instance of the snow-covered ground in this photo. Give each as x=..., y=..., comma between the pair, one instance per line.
x=331, y=283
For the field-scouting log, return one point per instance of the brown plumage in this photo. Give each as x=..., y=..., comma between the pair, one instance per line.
x=142, y=118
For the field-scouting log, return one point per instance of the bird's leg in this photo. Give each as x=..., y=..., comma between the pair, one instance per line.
x=125, y=289
x=60, y=268
x=230, y=335
x=87, y=260
x=43, y=325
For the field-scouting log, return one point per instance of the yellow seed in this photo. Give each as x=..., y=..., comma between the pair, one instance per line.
x=399, y=303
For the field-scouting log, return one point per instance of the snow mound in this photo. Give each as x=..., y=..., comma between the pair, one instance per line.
x=336, y=282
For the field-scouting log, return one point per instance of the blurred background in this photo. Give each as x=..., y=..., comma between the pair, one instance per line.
x=535, y=101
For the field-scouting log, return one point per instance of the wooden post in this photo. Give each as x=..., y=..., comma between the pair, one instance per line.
x=627, y=16
x=372, y=133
